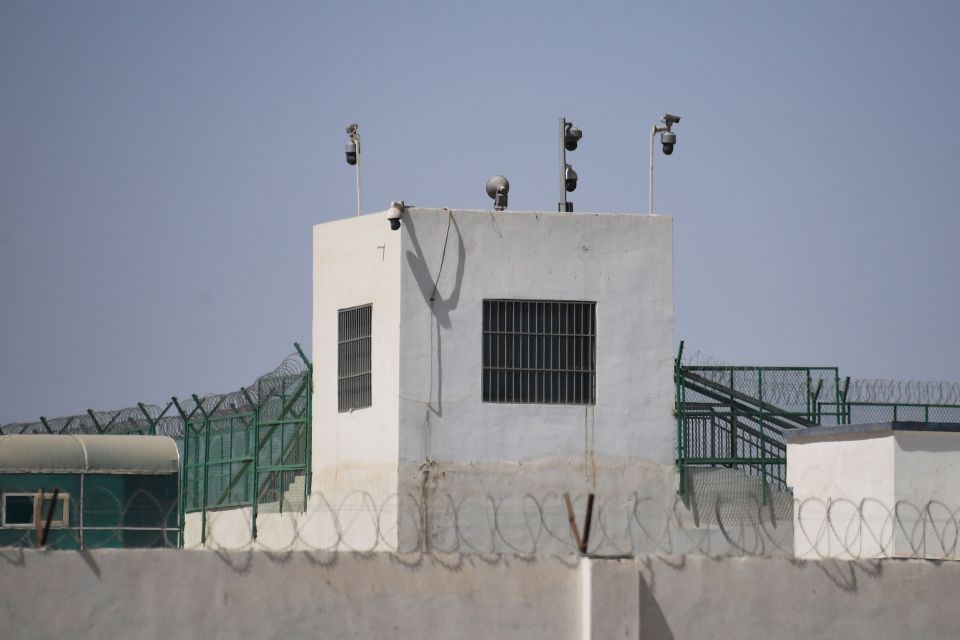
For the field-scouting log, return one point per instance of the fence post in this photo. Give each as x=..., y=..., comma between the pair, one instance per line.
x=818, y=418
x=153, y=422
x=256, y=477
x=182, y=510
x=846, y=405
x=733, y=420
x=840, y=410
x=184, y=479
x=96, y=423
x=206, y=469
x=253, y=442
x=308, y=427
x=679, y=412
x=763, y=439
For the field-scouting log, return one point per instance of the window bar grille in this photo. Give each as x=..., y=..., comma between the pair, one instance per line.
x=354, y=358
x=538, y=351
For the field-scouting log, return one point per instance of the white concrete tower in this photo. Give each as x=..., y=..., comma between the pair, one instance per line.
x=495, y=352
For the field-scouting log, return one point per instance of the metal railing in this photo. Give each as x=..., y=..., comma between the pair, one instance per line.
x=856, y=412
x=735, y=416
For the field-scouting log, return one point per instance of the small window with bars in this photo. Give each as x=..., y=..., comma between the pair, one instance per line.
x=539, y=351
x=353, y=368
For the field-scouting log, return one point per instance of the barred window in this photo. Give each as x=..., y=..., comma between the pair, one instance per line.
x=353, y=369
x=539, y=351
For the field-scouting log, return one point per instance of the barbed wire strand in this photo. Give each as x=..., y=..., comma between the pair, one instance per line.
x=528, y=525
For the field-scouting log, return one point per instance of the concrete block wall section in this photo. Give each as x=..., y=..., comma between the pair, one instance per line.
x=202, y=594
x=762, y=598
x=877, y=490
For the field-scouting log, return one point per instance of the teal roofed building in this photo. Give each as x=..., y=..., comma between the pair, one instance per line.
x=89, y=491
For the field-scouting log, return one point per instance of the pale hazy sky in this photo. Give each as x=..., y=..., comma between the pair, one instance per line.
x=161, y=165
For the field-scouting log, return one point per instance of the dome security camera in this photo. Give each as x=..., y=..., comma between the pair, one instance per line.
x=395, y=213
x=571, y=136
x=668, y=139
x=570, y=178
x=353, y=147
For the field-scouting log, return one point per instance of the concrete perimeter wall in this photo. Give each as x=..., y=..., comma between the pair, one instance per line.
x=203, y=594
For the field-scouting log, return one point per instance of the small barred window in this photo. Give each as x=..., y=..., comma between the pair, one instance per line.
x=353, y=369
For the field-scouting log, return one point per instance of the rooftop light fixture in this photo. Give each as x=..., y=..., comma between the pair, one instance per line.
x=497, y=188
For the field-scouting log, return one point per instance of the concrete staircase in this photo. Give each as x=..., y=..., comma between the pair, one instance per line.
x=730, y=498
x=291, y=501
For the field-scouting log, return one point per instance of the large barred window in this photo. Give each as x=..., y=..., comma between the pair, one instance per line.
x=353, y=368
x=539, y=351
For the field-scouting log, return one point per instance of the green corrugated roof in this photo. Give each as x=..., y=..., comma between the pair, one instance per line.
x=115, y=454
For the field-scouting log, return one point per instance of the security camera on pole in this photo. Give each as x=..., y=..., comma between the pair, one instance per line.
x=668, y=139
x=569, y=137
x=353, y=155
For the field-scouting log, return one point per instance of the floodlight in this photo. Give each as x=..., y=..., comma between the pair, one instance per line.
x=497, y=188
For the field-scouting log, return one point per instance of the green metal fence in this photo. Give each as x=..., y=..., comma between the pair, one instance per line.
x=857, y=412
x=250, y=448
x=735, y=416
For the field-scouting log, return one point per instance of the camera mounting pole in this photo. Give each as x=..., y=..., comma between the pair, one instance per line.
x=353, y=155
x=569, y=139
x=668, y=120
x=654, y=130
x=359, y=205
x=563, y=205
